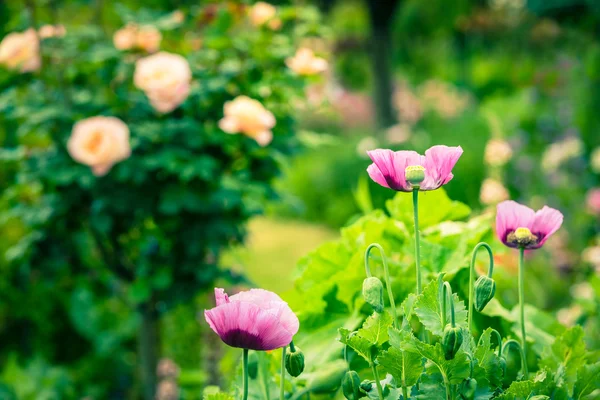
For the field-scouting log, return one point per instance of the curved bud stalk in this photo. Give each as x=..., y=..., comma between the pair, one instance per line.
x=388, y=283
x=482, y=291
x=516, y=344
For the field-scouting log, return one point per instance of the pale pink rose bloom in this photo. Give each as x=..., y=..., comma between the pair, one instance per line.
x=305, y=63
x=593, y=201
x=148, y=38
x=250, y=117
x=261, y=13
x=99, y=142
x=541, y=224
x=492, y=192
x=126, y=37
x=256, y=319
x=389, y=167
x=165, y=78
x=21, y=51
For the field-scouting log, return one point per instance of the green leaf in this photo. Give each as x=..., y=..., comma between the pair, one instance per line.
x=370, y=337
x=566, y=356
x=434, y=207
x=488, y=359
x=428, y=308
x=454, y=370
x=402, y=365
x=588, y=380
x=431, y=387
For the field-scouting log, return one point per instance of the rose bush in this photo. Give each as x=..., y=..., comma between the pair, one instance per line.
x=120, y=186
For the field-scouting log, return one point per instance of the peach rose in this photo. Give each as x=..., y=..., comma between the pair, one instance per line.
x=148, y=38
x=248, y=116
x=21, y=51
x=261, y=13
x=305, y=63
x=99, y=142
x=126, y=37
x=50, y=31
x=165, y=78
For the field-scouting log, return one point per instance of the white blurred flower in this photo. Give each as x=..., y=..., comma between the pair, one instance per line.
x=50, y=31
x=167, y=390
x=591, y=255
x=262, y=13
x=568, y=316
x=492, y=192
x=595, y=160
x=366, y=144
x=398, y=133
x=593, y=201
x=559, y=152
x=583, y=291
x=408, y=105
x=445, y=99
x=497, y=152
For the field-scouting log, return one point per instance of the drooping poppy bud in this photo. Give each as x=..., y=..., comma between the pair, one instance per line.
x=451, y=341
x=252, y=365
x=328, y=378
x=294, y=362
x=351, y=386
x=373, y=293
x=485, y=288
x=468, y=388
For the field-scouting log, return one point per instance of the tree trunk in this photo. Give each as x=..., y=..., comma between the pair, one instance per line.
x=148, y=348
x=381, y=14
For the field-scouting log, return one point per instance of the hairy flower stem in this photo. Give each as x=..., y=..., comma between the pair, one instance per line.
x=522, y=306
x=282, y=386
x=472, y=277
x=386, y=271
x=376, y=376
x=447, y=294
x=245, y=367
x=417, y=238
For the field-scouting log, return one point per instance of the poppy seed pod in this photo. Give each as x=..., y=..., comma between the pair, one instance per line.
x=351, y=386
x=485, y=288
x=366, y=386
x=294, y=362
x=451, y=341
x=468, y=387
x=373, y=293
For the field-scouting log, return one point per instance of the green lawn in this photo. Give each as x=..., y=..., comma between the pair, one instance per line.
x=273, y=248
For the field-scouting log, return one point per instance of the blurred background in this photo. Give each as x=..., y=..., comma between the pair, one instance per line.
x=103, y=279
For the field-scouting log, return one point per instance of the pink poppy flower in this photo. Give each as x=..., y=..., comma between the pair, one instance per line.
x=256, y=319
x=519, y=226
x=389, y=167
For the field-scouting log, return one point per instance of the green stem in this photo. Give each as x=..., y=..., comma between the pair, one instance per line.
x=472, y=277
x=498, y=339
x=376, y=376
x=447, y=294
x=516, y=344
x=387, y=277
x=448, y=388
x=245, y=367
x=417, y=238
x=282, y=387
x=522, y=303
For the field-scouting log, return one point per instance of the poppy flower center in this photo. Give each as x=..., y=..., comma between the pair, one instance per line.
x=415, y=174
x=522, y=237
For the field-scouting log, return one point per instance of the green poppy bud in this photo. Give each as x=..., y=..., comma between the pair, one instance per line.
x=294, y=362
x=451, y=341
x=502, y=362
x=252, y=365
x=351, y=386
x=485, y=288
x=468, y=387
x=415, y=174
x=328, y=378
x=373, y=293
x=366, y=386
